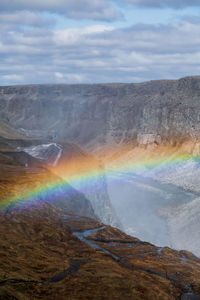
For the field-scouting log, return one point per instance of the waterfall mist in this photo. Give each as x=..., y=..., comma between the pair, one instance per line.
x=139, y=203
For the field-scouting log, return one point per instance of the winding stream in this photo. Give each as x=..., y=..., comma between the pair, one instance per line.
x=83, y=237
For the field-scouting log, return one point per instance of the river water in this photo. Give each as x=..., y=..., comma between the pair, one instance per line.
x=138, y=202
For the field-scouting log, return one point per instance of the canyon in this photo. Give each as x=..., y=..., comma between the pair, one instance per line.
x=124, y=159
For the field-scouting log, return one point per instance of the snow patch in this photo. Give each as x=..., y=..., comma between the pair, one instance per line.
x=49, y=153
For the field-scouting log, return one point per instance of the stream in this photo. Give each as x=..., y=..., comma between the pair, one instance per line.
x=83, y=237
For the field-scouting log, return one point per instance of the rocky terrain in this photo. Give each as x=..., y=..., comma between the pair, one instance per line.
x=106, y=114
x=32, y=163
x=48, y=254
x=22, y=175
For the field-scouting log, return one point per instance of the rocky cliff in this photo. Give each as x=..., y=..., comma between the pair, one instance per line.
x=27, y=163
x=106, y=114
x=22, y=176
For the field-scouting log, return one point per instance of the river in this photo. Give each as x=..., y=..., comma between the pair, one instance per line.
x=138, y=201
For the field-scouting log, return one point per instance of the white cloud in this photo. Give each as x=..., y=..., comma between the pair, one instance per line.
x=22, y=17
x=13, y=78
x=69, y=77
x=101, y=54
x=86, y=9
x=165, y=3
x=73, y=35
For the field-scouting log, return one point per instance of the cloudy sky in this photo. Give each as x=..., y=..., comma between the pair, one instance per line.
x=93, y=41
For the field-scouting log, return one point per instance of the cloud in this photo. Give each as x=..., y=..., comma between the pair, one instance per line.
x=84, y=9
x=100, y=53
x=73, y=35
x=193, y=19
x=13, y=78
x=23, y=17
x=69, y=77
x=165, y=3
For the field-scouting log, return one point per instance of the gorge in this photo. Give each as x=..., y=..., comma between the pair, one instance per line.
x=94, y=157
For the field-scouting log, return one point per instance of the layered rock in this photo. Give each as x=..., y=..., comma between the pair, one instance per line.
x=105, y=114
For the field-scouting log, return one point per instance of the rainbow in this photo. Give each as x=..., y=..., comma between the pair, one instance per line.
x=81, y=181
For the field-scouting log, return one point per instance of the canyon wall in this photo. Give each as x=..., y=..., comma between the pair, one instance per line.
x=106, y=114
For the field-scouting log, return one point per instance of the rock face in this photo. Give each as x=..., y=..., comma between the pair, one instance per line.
x=32, y=158
x=97, y=115
x=21, y=174
x=48, y=153
x=148, y=138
